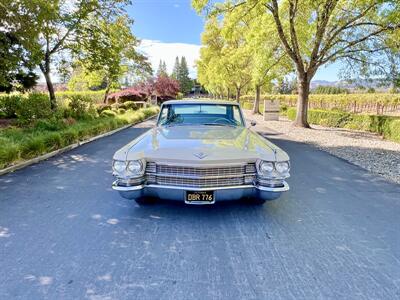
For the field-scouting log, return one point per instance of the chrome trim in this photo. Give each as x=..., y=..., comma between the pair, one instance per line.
x=200, y=189
x=283, y=188
x=201, y=177
x=201, y=166
x=116, y=187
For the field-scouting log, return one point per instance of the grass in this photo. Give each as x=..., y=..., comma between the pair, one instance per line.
x=17, y=144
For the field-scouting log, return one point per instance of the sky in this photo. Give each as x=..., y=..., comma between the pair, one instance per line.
x=170, y=28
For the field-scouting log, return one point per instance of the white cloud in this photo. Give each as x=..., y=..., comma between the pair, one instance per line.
x=167, y=52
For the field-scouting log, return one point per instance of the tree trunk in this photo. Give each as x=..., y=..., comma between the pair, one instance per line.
x=46, y=72
x=238, y=94
x=229, y=91
x=256, y=107
x=302, y=101
x=105, y=100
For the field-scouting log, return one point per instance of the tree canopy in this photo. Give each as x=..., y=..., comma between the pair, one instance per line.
x=314, y=33
x=46, y=29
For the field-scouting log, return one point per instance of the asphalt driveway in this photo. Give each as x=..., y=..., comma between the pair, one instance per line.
x=64, y=234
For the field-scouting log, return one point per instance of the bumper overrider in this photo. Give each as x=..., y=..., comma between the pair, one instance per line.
x=253, y=183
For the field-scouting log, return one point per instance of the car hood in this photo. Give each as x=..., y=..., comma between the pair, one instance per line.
x=201, y=145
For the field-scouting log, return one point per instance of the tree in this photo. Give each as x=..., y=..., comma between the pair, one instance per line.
x=166, y=88
x=18, y=27
x=176, y=69
x=269, y=61
x=224, y=58
x=83, y=79
x=185, y=82
x=162, y=69
x=55, y=27
x=103, y=50
x=314, y=33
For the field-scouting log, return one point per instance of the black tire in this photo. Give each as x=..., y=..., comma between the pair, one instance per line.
x=145, y=201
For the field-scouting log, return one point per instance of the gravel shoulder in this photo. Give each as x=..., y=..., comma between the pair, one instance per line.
x=364, y=149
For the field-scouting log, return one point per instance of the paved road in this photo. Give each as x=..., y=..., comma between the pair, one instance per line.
x=64, y=234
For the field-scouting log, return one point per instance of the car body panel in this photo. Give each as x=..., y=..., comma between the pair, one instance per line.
x=219, y=144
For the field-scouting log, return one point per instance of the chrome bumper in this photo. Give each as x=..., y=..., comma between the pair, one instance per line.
x=221, y=193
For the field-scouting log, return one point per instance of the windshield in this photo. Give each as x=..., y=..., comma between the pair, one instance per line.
x=200, y=114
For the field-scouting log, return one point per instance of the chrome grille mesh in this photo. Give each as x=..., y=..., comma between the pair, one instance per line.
x=200, y=182
x=199, y=177
x=201, y=172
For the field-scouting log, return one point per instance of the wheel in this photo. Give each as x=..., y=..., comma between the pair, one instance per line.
x=145, y=201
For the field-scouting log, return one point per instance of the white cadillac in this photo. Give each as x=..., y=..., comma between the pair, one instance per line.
x=200, y=152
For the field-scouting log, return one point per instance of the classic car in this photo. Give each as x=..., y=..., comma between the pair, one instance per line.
x=200, y=152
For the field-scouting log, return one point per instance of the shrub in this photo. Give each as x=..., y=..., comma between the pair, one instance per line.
x=81, y=107
x=33, y=146
x=52, y=124
x=130, y=105
x=394, y=130
x=102, y=107
x=53, y=141
x=35, y=106
x=69, y=121
x=342, y=102
x=9, y=105
x=25, y=143
x=96, y=97
x=9, y=152
x=121, y=111
x=108, y=113
x=70, y=137
x=387, y=126
x=116, y=106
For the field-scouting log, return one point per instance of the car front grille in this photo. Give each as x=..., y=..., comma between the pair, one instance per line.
x=199, y=177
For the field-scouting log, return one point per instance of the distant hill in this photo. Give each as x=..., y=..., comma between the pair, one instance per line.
x=352, y=85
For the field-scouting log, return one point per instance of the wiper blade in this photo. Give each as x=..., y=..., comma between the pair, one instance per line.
x=218, y=124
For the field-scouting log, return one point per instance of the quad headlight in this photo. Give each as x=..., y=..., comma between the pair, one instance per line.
x=128, y=168
x=135, y=167
x=282, y=167
x=267, y=168
x=119, y=166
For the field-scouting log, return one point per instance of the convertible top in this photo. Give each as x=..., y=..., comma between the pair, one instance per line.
x=200, y=101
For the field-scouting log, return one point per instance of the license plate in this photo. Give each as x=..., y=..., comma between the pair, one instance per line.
x=201, y=197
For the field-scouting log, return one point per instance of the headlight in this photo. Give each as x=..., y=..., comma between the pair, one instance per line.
x=282, y=167
x=119, y=166
x=135, y=167
x=266, y=167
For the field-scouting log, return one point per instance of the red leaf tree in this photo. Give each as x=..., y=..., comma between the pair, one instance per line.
x=163, y=87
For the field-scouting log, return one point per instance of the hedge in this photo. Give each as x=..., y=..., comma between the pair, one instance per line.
x=97, y=97
x=354, y=103
x=24, y=143
x=387, y=126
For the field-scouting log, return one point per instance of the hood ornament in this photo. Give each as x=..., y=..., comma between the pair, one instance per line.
x=200, y=155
